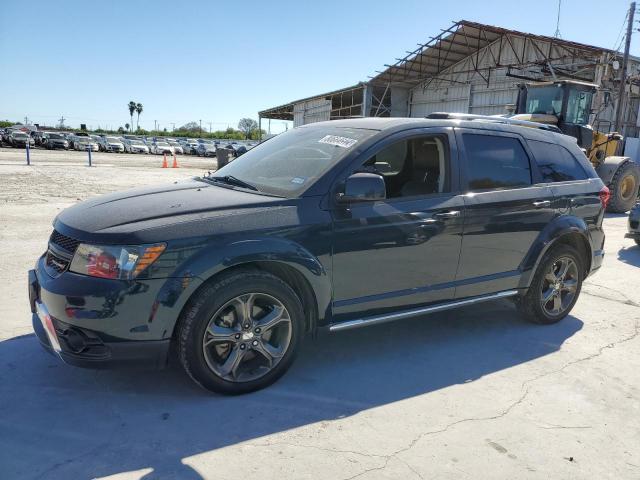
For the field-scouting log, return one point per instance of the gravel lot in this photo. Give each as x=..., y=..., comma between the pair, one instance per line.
x=473, y=393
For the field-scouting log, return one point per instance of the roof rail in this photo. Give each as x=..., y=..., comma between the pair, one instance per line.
x=489, y=118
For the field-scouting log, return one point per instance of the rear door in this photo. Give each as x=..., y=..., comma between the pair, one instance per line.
x=506, y=208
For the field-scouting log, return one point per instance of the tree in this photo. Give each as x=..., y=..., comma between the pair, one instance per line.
x=120, y=130
x=126, y=125
x=138, y=111
x=246, y=126
x=190, y=127
x=132, y=108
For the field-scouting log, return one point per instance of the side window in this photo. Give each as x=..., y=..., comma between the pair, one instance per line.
x=556, y=163
x=417, y=166
x=495, y=162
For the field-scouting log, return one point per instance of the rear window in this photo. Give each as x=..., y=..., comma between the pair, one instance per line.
x=495, y=162
x=556, y=163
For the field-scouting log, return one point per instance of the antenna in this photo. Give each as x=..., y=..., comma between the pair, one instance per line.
x=557, y=34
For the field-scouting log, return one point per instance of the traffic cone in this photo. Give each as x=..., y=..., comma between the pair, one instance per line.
x=175, y=162
x=164, y=161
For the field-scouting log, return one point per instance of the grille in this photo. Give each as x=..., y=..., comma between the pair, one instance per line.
x=56, y=264
x=633, y=224
x=62, y=241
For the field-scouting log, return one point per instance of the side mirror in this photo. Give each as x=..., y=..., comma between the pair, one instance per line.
x=363, y=187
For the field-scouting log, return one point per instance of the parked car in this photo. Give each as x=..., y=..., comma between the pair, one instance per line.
x=53, y=140
x=190, y=147
x=177, y=147
x=111, y=144
x=135, y=146
x=19, y=139
x=206, y=149
x=160, y=147
x=83, y=143
x=634, y=224
x=330, y=226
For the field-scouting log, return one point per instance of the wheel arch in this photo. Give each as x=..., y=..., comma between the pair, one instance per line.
x=608, y=168
x=291, y=263
x=567, y=231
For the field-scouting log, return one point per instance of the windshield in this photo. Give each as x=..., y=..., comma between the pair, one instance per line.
x=135, y=142
x=291, y=162
x=112, y=139
x=546, y=100
x=20, y=135
x=162, y=144
x=55, y=136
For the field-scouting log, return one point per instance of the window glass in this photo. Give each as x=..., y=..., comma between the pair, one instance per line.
x=578, y=106
x=417, y=166
x=556, y=163
x=546, y=100
x=495, y=162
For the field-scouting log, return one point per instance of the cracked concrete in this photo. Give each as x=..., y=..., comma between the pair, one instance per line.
x=475, y=393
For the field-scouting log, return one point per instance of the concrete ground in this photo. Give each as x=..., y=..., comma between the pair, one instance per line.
x=473, y=393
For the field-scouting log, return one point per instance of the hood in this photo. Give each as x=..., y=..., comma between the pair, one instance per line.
x=158, y=213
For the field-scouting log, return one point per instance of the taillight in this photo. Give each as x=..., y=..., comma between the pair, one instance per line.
x=604, y=195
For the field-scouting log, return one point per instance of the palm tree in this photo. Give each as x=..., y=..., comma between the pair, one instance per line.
x=132, y=108
x=126, y=125
x=139, y=111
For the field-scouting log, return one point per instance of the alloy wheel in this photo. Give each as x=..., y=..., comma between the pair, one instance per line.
x=559, y=286
x=247, y=337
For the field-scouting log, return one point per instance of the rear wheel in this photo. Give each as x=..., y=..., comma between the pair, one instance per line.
x=624, y=188
x=241, y=332
x=555, y=287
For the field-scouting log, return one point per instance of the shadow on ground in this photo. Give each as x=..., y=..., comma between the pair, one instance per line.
x=630, y=255
x=62, y=422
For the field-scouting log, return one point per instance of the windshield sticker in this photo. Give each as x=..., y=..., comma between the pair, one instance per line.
x=343, y=142
x=298, y=180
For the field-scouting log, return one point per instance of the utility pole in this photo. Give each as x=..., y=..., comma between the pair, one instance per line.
x=209, y=126
x=155, y=125
x=61, y=121
x=173, y=127
x=200, y=127
x=623, y=72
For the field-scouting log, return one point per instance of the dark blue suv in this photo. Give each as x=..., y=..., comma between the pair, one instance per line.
x=330, y=226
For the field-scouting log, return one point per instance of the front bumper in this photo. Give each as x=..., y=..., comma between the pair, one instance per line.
x=87, y=327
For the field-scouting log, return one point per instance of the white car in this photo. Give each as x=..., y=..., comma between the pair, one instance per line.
x=85, y=143
x=111, y=144
x=159, y=147
x=135, y=146
x=177, y=148
x=189, y=147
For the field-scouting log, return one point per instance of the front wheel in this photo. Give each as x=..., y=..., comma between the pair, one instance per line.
x=241, y=332
x=555, y=287
x=624, y=188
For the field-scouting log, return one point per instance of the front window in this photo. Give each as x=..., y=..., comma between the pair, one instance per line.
x=55, y=136
x=289, y=163
x=112, y=139
x=136, y=142
x=545, y=100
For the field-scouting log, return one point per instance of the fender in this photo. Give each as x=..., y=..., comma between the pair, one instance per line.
x=215, y=256
x=556, y=229
x=607, y=169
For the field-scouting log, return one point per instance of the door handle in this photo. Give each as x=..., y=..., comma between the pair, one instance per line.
x=450, y=214
x=542, y=203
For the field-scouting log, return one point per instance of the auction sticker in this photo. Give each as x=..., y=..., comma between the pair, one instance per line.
x=343, y=142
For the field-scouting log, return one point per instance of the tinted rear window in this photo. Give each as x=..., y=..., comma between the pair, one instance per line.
x=496, y=162
x=556, y=163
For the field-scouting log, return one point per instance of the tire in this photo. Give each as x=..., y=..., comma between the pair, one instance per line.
x=532, y=305
x=624, y=188
x=206, y=364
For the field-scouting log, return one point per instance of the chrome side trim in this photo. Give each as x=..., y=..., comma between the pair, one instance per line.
x=364, y=322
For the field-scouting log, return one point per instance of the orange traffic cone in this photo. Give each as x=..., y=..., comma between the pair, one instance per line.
x=175, y=162
x=164, y=161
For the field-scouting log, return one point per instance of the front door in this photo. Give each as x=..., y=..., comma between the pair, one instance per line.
x=401, y=252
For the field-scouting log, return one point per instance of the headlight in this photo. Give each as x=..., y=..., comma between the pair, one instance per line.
x=117, y=262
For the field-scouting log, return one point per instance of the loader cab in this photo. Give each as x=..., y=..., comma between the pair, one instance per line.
x=569, y=102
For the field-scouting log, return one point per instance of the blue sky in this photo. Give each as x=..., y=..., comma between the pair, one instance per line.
x=221, y=61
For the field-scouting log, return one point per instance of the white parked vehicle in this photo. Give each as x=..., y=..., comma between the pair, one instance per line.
x=190, y=147
x=133, y=145
x=111, y=144
x=159, y=147
x=177, y=147
x=84, y=144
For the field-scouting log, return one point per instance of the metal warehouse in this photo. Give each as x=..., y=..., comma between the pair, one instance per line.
x=476, y=68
